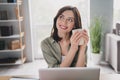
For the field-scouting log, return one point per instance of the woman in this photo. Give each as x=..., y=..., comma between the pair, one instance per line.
x=62, y=48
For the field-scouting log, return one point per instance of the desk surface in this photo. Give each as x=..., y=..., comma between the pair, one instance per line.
x=110, y=77
x=5, y=77
x=8, y=77
x=102, y=77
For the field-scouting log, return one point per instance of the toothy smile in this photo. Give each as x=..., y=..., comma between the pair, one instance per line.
x=63, y=27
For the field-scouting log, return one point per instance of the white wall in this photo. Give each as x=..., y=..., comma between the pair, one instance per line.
x=28, y=31
x=103, y=8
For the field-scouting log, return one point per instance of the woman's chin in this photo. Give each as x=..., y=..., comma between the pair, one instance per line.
x=62, y=31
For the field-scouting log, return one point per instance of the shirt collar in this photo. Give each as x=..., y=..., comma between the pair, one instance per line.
x=52, y=40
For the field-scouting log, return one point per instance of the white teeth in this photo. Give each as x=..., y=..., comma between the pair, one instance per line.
x=63, y=27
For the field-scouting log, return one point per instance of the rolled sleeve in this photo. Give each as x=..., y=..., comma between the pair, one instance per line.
x=48, y=55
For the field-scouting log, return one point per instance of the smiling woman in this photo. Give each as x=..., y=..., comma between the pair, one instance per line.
x=65, y=21
x=42, y=18
x=63, y=43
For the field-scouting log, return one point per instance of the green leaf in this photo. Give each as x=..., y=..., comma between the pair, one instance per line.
x=95, y=34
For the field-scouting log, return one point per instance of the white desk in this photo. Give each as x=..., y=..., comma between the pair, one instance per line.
x=102, y=77
x=109, y=76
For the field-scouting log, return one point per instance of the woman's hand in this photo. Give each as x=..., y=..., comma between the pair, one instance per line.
x=81, y=62
x=85, y=37
x=75, y=38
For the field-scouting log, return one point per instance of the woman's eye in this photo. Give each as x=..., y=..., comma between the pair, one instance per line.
x=60, y=16
x=70, y=20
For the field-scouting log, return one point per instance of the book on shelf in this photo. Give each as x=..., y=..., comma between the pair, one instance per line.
x=8, y=60
x=6, y=30
x=3, y=15
x=2, y=44
x=14, y=44
x=11, y=1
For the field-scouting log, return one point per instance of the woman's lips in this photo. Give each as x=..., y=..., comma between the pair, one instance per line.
x=63, y=27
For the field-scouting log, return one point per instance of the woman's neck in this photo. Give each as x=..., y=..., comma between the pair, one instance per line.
x=64, y=36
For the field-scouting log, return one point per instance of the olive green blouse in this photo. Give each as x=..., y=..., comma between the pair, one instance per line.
x=52, y=53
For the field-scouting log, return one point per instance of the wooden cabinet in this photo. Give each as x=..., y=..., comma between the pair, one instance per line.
x=12, y=35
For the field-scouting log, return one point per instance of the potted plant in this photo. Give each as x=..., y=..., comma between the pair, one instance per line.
x=95, y=39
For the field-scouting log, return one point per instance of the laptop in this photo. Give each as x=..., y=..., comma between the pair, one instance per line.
x=83, y=73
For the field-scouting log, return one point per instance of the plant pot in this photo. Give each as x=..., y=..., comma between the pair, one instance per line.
x=96, y=58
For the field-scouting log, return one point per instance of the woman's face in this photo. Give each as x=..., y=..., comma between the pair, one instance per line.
x=65, y=21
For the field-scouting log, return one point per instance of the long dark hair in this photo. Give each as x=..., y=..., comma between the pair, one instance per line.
x=78, y=24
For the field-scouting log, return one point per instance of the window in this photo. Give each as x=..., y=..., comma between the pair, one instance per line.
x=43, y=13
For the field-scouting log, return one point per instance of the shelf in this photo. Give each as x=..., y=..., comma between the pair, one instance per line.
x=16, y=50
x=12, y=20
x=10, y=4
x=13, y=17
x=12, y=36
x=17, y=62
x=20, y=61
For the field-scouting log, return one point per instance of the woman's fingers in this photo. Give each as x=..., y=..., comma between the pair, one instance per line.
x=84, y=32
x=76, y=34
x=76, y=37
x=85, y=36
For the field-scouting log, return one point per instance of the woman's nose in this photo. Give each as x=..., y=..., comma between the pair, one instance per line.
x=64, y=21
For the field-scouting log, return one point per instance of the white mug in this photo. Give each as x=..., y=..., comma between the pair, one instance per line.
x=81, y=40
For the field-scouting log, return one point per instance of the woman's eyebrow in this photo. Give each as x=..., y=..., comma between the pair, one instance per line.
x=67, y=17
x=71, y=17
